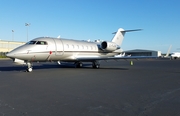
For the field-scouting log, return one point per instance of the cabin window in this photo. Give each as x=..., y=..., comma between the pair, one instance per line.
x=91, y=48
x=77, y=46
x=73, y=46
x=95, y=47
x=67, y=45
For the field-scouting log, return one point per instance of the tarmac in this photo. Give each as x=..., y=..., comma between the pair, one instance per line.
x=119, y=88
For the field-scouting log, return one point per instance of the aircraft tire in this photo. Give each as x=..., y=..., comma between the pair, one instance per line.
x=96, y=65
x=78, y=64
x=29, y=70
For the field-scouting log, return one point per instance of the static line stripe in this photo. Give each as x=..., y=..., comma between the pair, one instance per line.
x=67, y=52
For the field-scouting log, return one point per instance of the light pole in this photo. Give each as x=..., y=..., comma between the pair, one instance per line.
x=12, y=35
x=27, y=25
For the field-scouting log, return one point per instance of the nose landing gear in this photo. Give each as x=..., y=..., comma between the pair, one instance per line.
x=30, y=68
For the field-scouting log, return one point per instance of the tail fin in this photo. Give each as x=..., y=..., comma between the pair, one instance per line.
x=119, y=35
x=167, y=54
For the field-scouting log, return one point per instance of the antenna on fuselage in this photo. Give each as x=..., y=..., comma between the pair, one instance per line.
x=59, y=36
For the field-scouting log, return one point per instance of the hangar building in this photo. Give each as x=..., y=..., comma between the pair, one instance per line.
x=6, y=46
x=141, y=52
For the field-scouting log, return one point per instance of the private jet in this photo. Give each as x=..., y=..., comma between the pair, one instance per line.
x=45, y=49
x=175, y=55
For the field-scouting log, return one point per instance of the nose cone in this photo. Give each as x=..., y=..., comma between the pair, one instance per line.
x=10, y=55
x=16, y=53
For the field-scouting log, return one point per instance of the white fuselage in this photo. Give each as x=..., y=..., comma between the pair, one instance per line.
x=54, y=49
x=175, y=55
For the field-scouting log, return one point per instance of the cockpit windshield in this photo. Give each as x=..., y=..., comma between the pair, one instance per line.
x=31, y=42
x=42, y=43
x=37, y=42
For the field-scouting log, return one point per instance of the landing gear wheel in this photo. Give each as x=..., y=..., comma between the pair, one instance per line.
x=95, y=65
x=78, y=64
x=29, y=69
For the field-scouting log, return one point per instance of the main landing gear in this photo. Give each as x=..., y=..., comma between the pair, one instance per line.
x=95, y=64
x=78, y=64
x=30, y=68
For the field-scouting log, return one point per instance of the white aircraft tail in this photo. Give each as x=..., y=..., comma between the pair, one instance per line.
x=167, y=54
x=119, y=35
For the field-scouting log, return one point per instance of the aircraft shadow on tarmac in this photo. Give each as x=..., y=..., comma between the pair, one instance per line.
x=12, y=68
x=88, y=66
x=72, y=66
x=54, y=66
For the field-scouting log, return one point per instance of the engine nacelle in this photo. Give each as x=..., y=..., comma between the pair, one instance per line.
x=109, y=46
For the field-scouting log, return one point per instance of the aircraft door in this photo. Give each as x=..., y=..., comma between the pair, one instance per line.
x=59, y=47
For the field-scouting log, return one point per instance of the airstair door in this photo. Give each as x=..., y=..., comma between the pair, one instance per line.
x=59, y=47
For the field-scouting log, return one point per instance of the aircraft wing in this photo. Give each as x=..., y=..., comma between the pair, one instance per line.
x=114, y=58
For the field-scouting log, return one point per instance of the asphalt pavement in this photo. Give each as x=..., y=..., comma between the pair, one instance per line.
x=119, y=88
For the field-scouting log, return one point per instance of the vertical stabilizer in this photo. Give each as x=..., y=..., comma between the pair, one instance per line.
x=119, y=35
x=167, y=54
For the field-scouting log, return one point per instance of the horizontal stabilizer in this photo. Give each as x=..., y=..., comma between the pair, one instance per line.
x=119, y=35
x=128, y=30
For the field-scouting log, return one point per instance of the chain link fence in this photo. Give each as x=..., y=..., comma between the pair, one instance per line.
x=6, y=46
x=3, y=54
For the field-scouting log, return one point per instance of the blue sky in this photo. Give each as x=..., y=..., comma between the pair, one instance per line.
x=94, y=19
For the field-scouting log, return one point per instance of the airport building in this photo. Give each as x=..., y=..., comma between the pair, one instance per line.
x=6, y=46
x=141, y=52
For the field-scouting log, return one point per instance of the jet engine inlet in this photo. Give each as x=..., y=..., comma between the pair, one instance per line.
x=104, y=45
x=109, y=46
